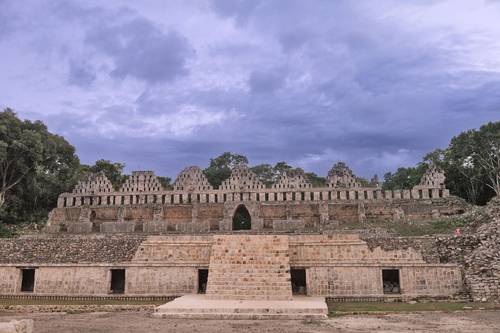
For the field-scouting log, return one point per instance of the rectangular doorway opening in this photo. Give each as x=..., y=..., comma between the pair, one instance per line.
x=117, y=281
x=28, y=280
x=202, y=281
x=298, y=278
x=390, y=280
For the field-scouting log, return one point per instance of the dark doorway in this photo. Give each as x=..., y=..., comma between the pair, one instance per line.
x=390, y=279
x=202, y=281
x=117, y=281
x=242, y=219
x=298, y=278
x=28, y=280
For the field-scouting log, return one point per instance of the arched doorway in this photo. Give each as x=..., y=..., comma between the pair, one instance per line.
x=242, y=219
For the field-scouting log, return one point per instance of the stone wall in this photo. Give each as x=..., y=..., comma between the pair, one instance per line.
x=161, y=280
x=212, y=217
x=335, y=264
x=55, y=249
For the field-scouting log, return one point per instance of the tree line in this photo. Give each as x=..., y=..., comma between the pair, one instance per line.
x=36, y=166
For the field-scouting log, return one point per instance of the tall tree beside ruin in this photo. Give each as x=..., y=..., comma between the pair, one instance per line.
x=404, y=178
x=35, y=165
x=112, y=170
x=20, y=152
x=220, y=167
x=472, y=163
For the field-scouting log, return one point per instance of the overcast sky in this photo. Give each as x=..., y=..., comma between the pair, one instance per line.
x=165, y=84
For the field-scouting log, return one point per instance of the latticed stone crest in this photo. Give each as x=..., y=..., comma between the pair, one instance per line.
x=192, y=179
x=433, y=177
x=242, y=178
x=340, y=175
x=142, y=181
x=95, y=183
x=293, y=179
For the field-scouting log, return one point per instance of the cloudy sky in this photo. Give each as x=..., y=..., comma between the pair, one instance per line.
x=165, y=84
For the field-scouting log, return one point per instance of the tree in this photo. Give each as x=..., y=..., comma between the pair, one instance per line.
x=472, y=163
x=315, y=180
x=20, y=152
x=35, y=166
x=112, y=170
x=265, y=173
x=221, y=166
x=487, y=154
x=166, y=182
x=404, y=178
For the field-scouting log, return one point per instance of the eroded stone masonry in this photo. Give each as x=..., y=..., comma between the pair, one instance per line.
x=240, y=241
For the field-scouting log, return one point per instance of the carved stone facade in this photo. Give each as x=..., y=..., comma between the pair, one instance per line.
x=341, y=176
x=95, y=183
x=293, y=180
x=433, y=178
x=142, y=181
x=192, y=179
x=242, y=178
x=164, y=241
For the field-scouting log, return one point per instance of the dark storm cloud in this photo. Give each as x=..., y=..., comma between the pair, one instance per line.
x=141, y=50
x=309, y=82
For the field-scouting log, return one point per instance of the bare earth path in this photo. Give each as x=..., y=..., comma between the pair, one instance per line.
x=122, y=322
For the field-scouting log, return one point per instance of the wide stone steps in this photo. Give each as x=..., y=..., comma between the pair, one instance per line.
x=201, y=307
x=249, y=267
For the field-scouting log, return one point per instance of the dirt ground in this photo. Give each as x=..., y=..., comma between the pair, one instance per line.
x=122, y=322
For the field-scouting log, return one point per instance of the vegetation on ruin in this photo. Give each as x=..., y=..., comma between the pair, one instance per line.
x=471, y=164
x=36, y=166
x=339, y=308
x=434, y=227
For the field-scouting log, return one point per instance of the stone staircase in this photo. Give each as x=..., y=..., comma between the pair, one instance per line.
x=249, y=267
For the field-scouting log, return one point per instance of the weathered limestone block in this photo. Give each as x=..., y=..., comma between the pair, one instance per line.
x=257, y=224
x=118, y=227
x=398, y=214
x=17, y=326
x=80, y=227
x=155, y=227
x=85, y=214
x=288, y=225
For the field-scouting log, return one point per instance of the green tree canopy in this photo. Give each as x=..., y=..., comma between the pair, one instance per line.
x=112, y=170
x=35, y=166
x=220, y=167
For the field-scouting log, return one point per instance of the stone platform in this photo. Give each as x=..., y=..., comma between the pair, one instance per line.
x=200, y=307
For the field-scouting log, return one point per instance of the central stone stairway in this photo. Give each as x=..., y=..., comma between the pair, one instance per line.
x=249, y=267
x=249, y=278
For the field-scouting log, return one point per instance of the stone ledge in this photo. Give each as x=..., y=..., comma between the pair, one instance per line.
x=200, y=307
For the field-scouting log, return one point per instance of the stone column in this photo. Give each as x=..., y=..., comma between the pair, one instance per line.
x=343, y=195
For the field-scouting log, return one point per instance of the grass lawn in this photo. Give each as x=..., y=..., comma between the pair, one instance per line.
x=350, y=307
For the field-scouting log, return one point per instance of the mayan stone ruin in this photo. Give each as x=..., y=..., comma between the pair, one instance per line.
x=246, y=241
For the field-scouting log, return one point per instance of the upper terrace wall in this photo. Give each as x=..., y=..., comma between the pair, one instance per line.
x=193, y=205
x=191, y=186
x=260, y=195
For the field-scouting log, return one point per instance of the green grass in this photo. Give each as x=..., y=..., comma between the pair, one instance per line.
x=78, y=302
x=364, y=307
